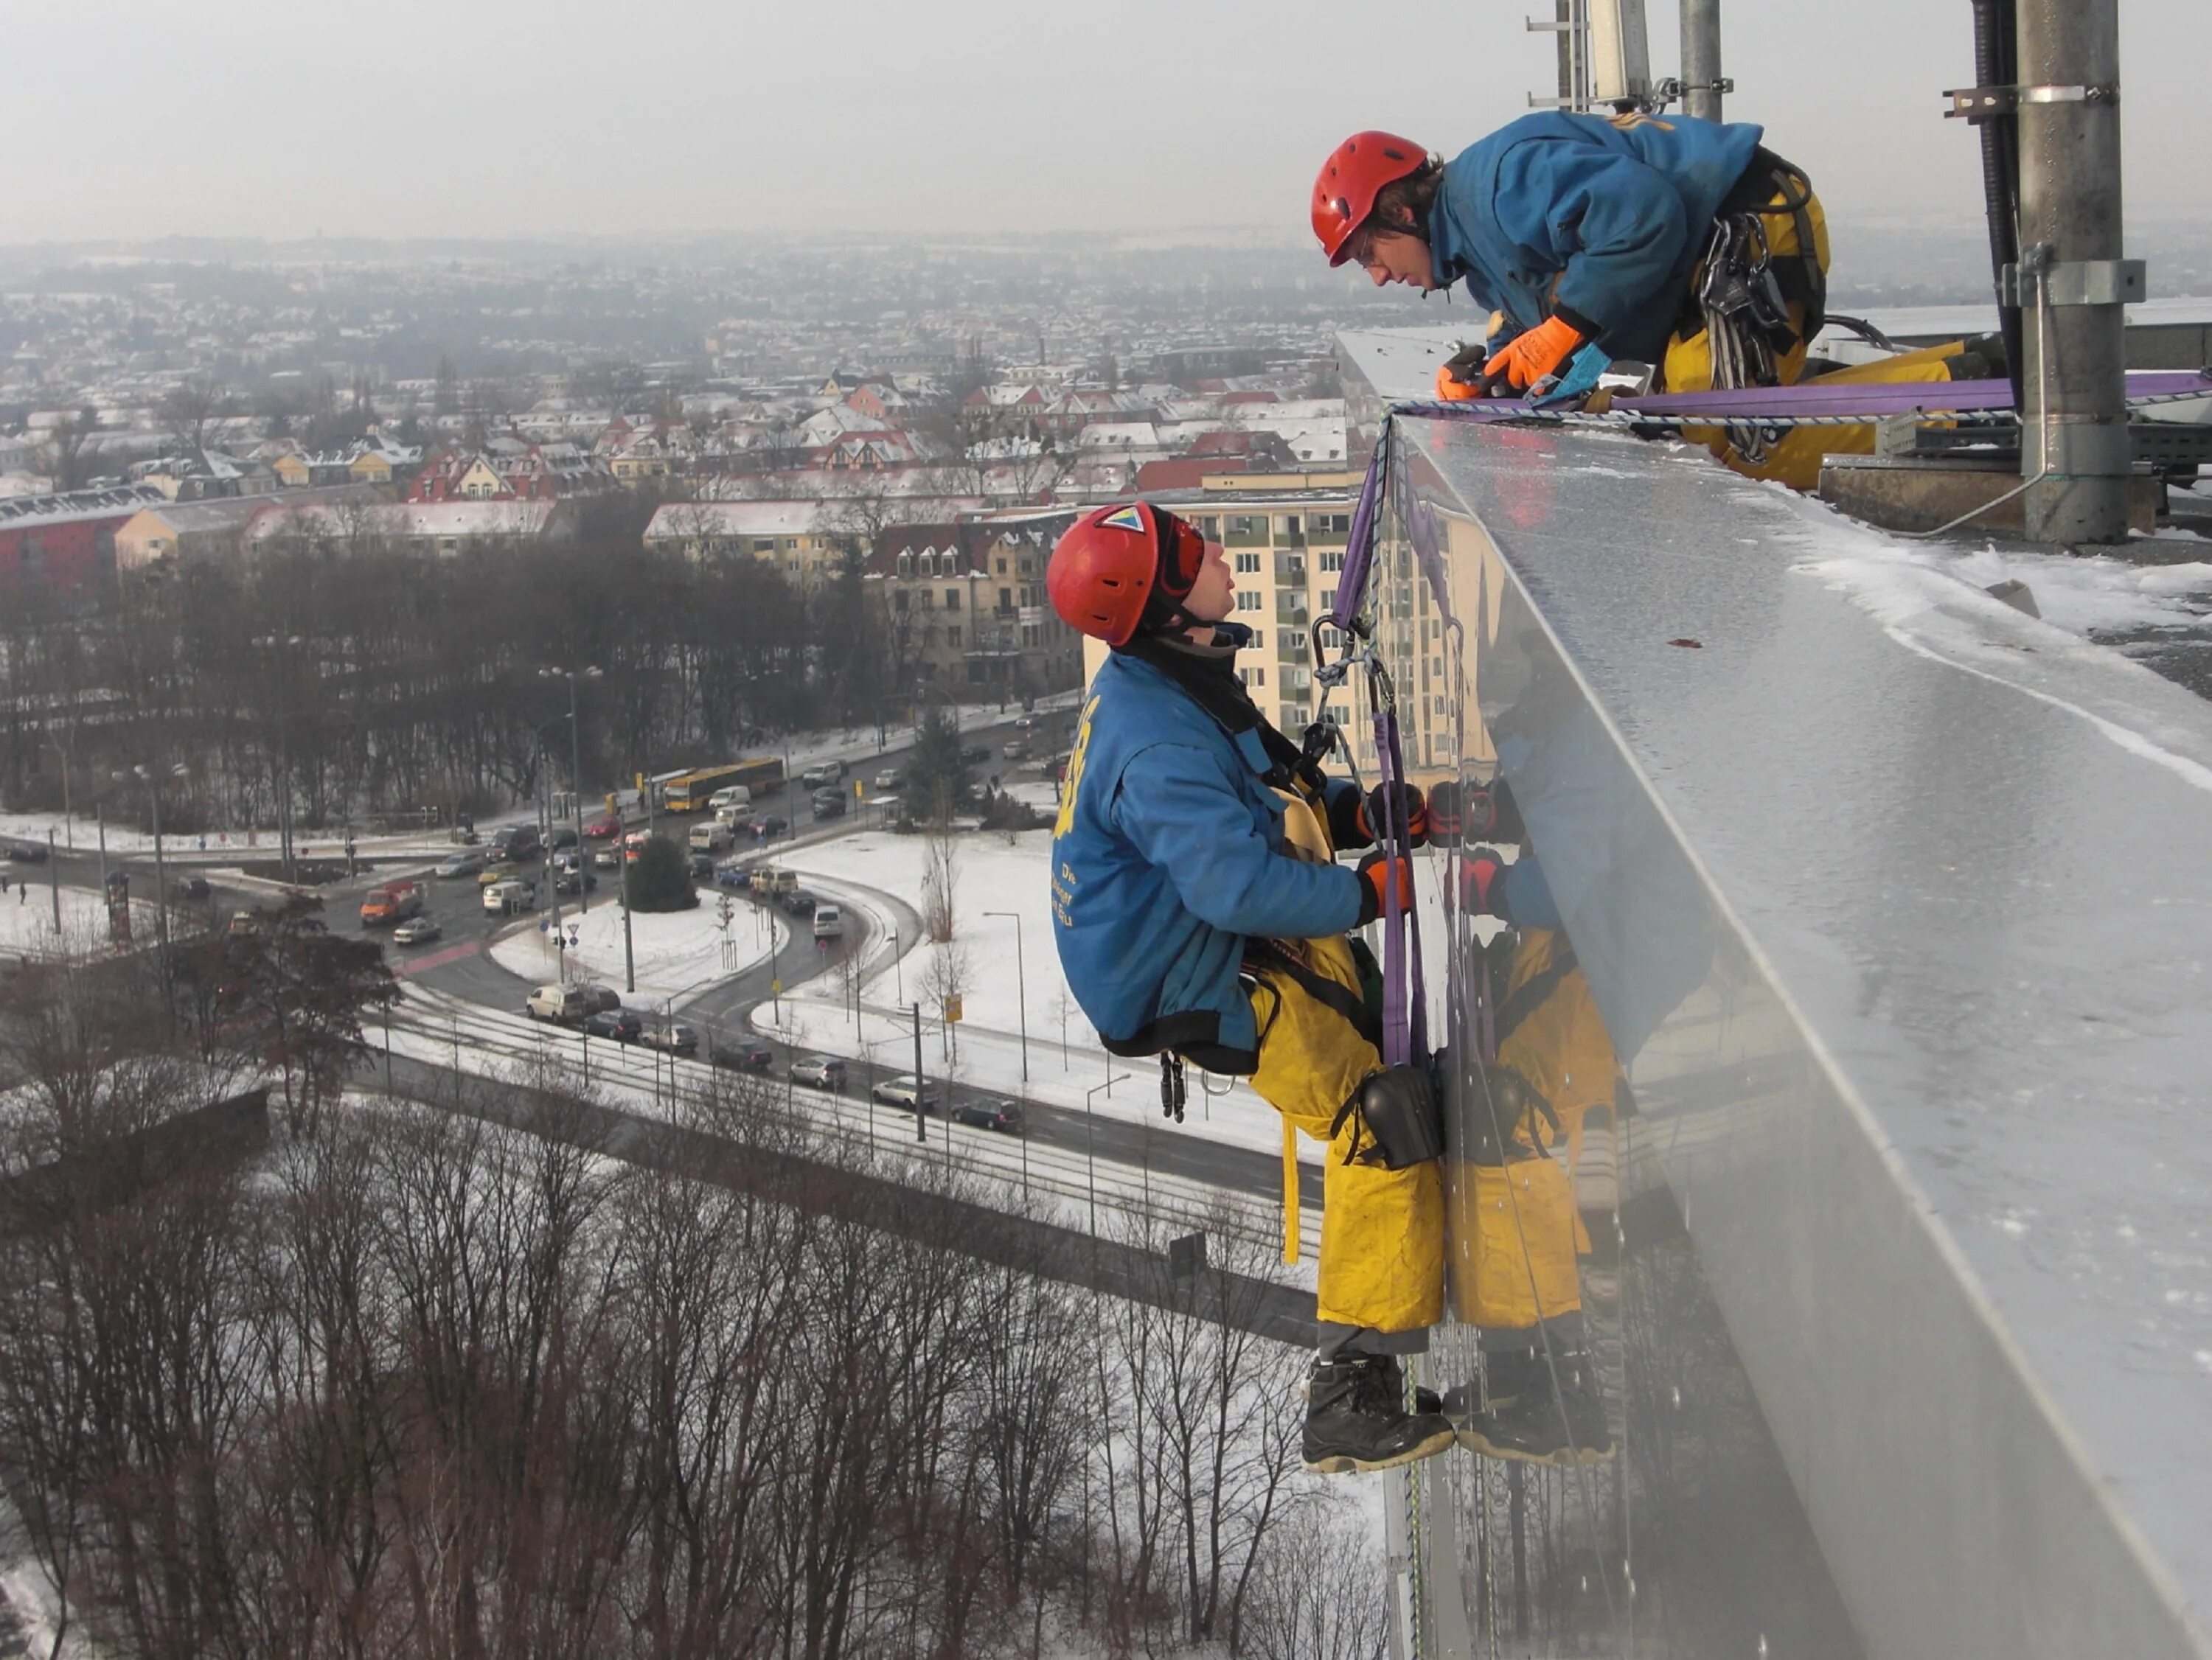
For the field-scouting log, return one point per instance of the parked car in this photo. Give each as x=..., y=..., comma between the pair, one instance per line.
x=905, y=1091
x=828, y=803
x=28, y=852
x=461, y=864
x=976, y=754
x=768, y=824
x=563, y=1003
x=616, y=1023
x=742, y=1056
x=988, y=1113
x=819, y=1072
x=597, y=997
x=502, y=898
x=605, y=827
x=676, y=1039
x=417, y=931
x=887, y=779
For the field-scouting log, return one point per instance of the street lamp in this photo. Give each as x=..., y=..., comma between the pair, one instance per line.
x=1022, y=987
x=575, y=764
x=152, y=779
x=1090, y=1160
x=552, y=875
x=69, y=818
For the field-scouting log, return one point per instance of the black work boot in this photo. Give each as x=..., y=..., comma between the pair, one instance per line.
x=1355, y=1421
x=1544, y=1426
x=1507, y=1375
x=1427, y=1402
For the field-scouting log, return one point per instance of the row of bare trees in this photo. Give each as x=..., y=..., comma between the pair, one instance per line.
x=347, y=681
x=425, y=1382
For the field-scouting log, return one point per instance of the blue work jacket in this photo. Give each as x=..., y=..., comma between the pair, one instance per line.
x=1167, y=855
x=1602, y=216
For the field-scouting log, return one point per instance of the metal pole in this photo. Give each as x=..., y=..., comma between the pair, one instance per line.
x=1701, y=58
x=54, y=881
x=1022, y=986
x=2076, y=434
x=576, y=789
x=100, y=818
x=161, y=903
x=898, y=967
x=920, y=1088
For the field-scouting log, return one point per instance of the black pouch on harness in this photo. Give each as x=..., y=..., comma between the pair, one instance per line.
x=1399, y=1124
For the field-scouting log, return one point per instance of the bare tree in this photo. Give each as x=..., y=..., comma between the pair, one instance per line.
x=72, y=450
x=940, y=882
x=188, y=407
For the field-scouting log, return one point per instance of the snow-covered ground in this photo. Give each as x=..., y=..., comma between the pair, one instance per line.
x=678, y=951
x=2093, y=594
x=993, y=876
x=26, y=920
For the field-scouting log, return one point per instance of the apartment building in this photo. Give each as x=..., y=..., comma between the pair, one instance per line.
x=1285, y=536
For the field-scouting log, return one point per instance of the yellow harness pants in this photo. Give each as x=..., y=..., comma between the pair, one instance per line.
x=1381, y=1231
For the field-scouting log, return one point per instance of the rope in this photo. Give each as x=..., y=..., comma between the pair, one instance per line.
x=1490, y=414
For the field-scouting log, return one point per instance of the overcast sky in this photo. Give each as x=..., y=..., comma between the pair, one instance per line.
x=133, y=118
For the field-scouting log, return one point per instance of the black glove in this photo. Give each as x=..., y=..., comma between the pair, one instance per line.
x=1464, y=366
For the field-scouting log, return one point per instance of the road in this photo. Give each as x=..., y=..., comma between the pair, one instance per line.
x=459, y=963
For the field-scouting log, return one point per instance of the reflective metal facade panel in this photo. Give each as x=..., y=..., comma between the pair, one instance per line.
x=1897, y=903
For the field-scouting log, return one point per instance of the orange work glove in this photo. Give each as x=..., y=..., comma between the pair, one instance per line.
x=1377, y=872
x=1460, y=377
x=1530, y=355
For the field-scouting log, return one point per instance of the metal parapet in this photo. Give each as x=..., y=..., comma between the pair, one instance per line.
x=1895, y=903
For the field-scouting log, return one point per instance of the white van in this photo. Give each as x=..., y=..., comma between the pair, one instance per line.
x=828, y=923
x=501, y=898
x=710, y=838
x=738, y=796
x=565, y=1003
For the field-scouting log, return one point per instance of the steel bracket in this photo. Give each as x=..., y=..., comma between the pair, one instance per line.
x=1979, y=104
x=2076, y=282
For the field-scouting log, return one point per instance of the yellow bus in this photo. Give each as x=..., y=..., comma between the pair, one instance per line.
x=689, y=792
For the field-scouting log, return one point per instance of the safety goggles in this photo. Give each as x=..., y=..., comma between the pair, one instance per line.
x=1180, y=551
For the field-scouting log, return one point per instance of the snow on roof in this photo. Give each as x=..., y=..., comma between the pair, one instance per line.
x=682, y=521
x=120, y=501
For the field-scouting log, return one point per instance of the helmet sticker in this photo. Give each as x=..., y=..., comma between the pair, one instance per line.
x=1127, y=519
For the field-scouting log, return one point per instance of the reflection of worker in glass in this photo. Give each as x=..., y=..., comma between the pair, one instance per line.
x=1514, y=1212
x=1198, y=913
x=1667, y=240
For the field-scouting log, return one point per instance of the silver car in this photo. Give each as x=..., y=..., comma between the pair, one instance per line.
x=462, y=864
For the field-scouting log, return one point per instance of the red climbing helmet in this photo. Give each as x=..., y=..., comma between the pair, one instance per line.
x=1106, y=569
x=1352, y=178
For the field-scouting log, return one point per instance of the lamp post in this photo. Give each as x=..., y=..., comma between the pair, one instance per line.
x=898, y=965
x=69, y=818
x=552, y=875
x=1089, y=1159
x=1021, y=985
x=152, y=779
x=576, y=765
x=920, y=1085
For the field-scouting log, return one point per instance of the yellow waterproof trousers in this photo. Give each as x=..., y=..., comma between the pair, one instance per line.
x=1793, y=458
x=1381, y=1231
x=1519, y=1228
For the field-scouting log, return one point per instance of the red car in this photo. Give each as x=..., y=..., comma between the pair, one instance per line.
x=603, y=829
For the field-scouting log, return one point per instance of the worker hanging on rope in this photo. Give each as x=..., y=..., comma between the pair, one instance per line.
x=1674, y=242
x=1200, y=916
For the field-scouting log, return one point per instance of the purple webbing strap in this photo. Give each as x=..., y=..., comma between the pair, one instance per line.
x=1360, y=548
x=1398, y=998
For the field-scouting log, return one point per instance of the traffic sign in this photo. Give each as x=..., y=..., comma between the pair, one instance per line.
x=952, y=1011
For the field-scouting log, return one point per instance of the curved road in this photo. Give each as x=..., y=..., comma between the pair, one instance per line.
x=459, y=964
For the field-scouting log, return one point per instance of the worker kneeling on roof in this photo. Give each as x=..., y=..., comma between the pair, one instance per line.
x=1200, y=916
x=1670, y=241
